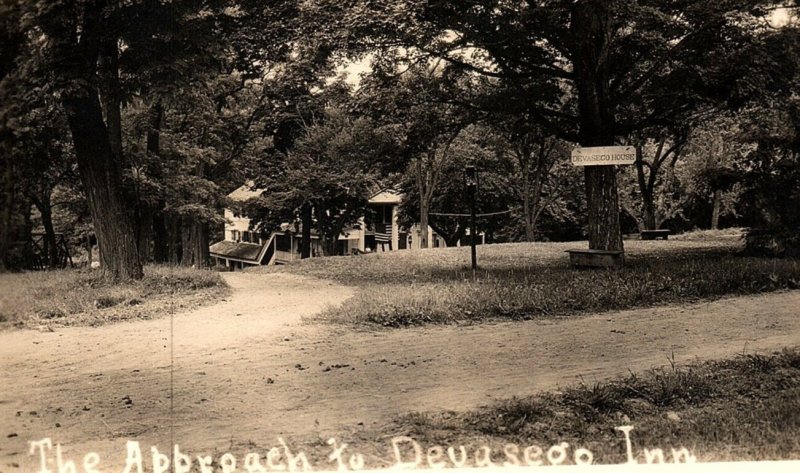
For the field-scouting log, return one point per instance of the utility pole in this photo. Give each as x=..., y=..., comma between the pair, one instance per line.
x=471, y=175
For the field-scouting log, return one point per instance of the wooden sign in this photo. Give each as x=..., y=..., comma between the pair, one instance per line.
x=603, y=155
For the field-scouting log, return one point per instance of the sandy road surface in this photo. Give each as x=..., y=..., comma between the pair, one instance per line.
x=247, y=370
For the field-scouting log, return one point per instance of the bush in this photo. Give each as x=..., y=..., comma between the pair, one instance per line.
x=773, y=243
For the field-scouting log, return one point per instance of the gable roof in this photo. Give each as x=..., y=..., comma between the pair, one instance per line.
x=245, y=192
x=386, y=196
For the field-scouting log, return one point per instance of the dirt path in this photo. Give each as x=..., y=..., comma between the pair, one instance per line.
x=247, y=370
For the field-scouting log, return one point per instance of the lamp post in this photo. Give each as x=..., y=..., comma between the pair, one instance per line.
x=471, y=177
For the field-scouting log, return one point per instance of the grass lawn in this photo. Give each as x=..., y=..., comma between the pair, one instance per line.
x=82, y=297
x=746, y=408
x=533, y=280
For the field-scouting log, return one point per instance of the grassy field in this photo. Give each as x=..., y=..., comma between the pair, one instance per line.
x=747, y=408
x=533, y=280
x=82, y=297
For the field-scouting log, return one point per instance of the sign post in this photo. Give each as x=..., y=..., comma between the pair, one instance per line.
x=600, y=156
x=471, y=175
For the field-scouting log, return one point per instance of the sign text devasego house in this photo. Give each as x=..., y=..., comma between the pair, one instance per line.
x=603, y=156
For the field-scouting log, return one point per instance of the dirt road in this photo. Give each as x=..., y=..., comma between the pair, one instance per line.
x=247, y=369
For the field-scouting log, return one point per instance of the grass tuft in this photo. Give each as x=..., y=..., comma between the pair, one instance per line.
x=84, y=297
x=534, y=280
x=745, y=408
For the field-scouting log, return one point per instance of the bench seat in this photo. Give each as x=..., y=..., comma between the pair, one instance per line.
x=596, y=258
x=654, y=234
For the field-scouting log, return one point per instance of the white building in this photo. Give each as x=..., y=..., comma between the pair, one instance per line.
x=244, y=246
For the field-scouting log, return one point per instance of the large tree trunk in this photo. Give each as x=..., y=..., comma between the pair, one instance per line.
x=592, y=29
x=8, y=202
x=195, y=243
x=200, y=236
x=306, y=222
x=101, y=175
x=110, y=94
x=99, y=166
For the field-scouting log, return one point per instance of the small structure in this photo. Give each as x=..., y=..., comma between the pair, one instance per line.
x=654, y=234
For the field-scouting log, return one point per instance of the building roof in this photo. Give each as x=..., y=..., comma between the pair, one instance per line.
x=386, y=196
x=238, y=250
x=246, y=192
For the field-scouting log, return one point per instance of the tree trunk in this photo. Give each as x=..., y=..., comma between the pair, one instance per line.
x=160, y=237
x=648, y=212
x=42, y=203
x=88, y=251
x=648, y=218
x=145, y=232
x=51, y=247
x=174, y=239
x=306, y=222
x=535, y=205
x=101, y=174
x=424, y=207
x=195, y=244
x=426, y=181
x=99, y=165
x=591, y=28
x=451, y=237
x=8, y=202
x=159, y=225
x=717, y=209
x=110, y=94
x=526, y=198
x=186, y=242
x=200, y=234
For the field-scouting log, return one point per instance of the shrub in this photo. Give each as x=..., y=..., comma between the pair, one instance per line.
x=773, y=243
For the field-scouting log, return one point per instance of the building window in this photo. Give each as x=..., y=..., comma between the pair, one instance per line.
x=246, y=237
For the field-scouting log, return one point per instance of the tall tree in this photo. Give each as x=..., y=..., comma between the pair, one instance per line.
x=98, y=54
x=713, y=154
x=630, y=65
x=12, y=41
x=417, y=102
x=478, y=146
x=332, y=169
x=77, y=46
x=649, y=182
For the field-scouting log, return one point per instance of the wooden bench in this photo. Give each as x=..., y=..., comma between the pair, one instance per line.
x=654, y=234
x=596, y=258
